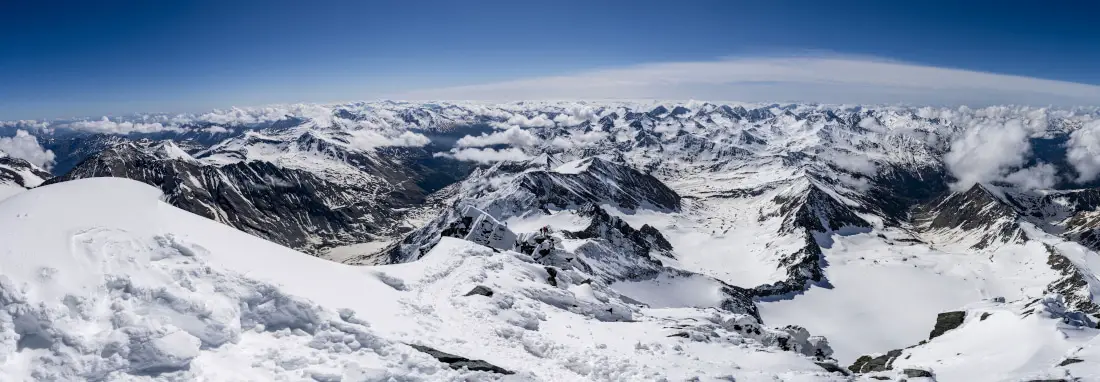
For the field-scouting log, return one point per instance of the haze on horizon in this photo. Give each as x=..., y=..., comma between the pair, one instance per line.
x=118, y=57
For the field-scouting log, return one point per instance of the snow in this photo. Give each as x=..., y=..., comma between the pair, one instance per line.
x=980, y=350
x=8, y=190
x=108, y=282
x=565, y=220
x=723, y=239
x=886, y=295
x=574, y=167
x=169, y=150
x=159, y=293
x=872, y=310
x=673, y=292
x=344, y=252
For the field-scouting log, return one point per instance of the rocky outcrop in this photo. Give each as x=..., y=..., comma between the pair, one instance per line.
x=530, y=189
x=459, y=363
x=810, y=212
x=946, y=321
x=616, y=250
x=18, y=172
x=466, y=222
x=598, y=181
x=292, y=207
x=868, y=364
x=1073, y=284
x=977, y=213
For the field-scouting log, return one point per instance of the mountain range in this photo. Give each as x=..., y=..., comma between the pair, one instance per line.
x=609, y=240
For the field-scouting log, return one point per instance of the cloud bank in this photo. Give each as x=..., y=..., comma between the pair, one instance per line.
x=514, y=136
x=107, y=126
x=367, y=140
x=487, y=155
x=1083, y=151
x=25, y=146
x=806, y=79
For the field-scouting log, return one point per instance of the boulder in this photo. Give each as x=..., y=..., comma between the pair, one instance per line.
x=947, y=321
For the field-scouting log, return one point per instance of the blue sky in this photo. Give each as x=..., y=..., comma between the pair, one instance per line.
x=110, y=57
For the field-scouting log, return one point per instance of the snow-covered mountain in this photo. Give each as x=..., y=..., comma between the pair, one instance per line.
x=17, y=175
x=738, y=229
x=158, y=293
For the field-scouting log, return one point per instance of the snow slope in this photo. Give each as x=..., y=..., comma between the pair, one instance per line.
x=102, y=280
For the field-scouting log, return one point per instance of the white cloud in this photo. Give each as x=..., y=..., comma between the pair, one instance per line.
x=487, y=155
x=870, y=123
x=988, y=152
x=578, y=140
x=108, y=126
x=25, y=146
x=575, y=116
x=540, y=120
x=1084, y=151
x=851, y=162
x=215, y=129
x=811, y=79
x=243, y=116
x=1038, y=177
x=514, y=136
x=410, y=139
x=367, y=140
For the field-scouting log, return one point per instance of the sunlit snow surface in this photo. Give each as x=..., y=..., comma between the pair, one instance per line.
x=158, y=293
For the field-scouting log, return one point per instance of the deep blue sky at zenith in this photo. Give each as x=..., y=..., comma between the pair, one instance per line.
x=61, y=59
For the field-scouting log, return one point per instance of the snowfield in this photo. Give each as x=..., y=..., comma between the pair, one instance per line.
x=103, y=281
x=557, y=241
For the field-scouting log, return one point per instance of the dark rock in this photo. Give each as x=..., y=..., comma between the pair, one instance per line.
x=1072, y=281
x=985, y=316
x=480, y=290
x=12, y=170
x=812, y=211
x=293, y=207
x=947, y=321
x=832, y=367
x=552, y=277
x=602, y=181
x=917, y=373
x=976, y=210
x=868, y=364
x=459, y=363
x=1069, y=361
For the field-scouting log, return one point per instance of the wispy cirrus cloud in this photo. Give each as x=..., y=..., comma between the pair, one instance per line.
x=807, y=79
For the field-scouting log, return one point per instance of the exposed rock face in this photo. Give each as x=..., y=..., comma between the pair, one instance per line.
x=976, y=212
x=947, y=321
x=466, y=222
x=616, y=250
x=456, y=362
x=868, y=364
x=1074, y=284
x=529, y=189
x=18, y=172
x=292, y=207
x=480, y=290
x=795, y=339
x=596, y=181
x=917, y=373
x=810, y=212
x=814, y=209
x=477, y=226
